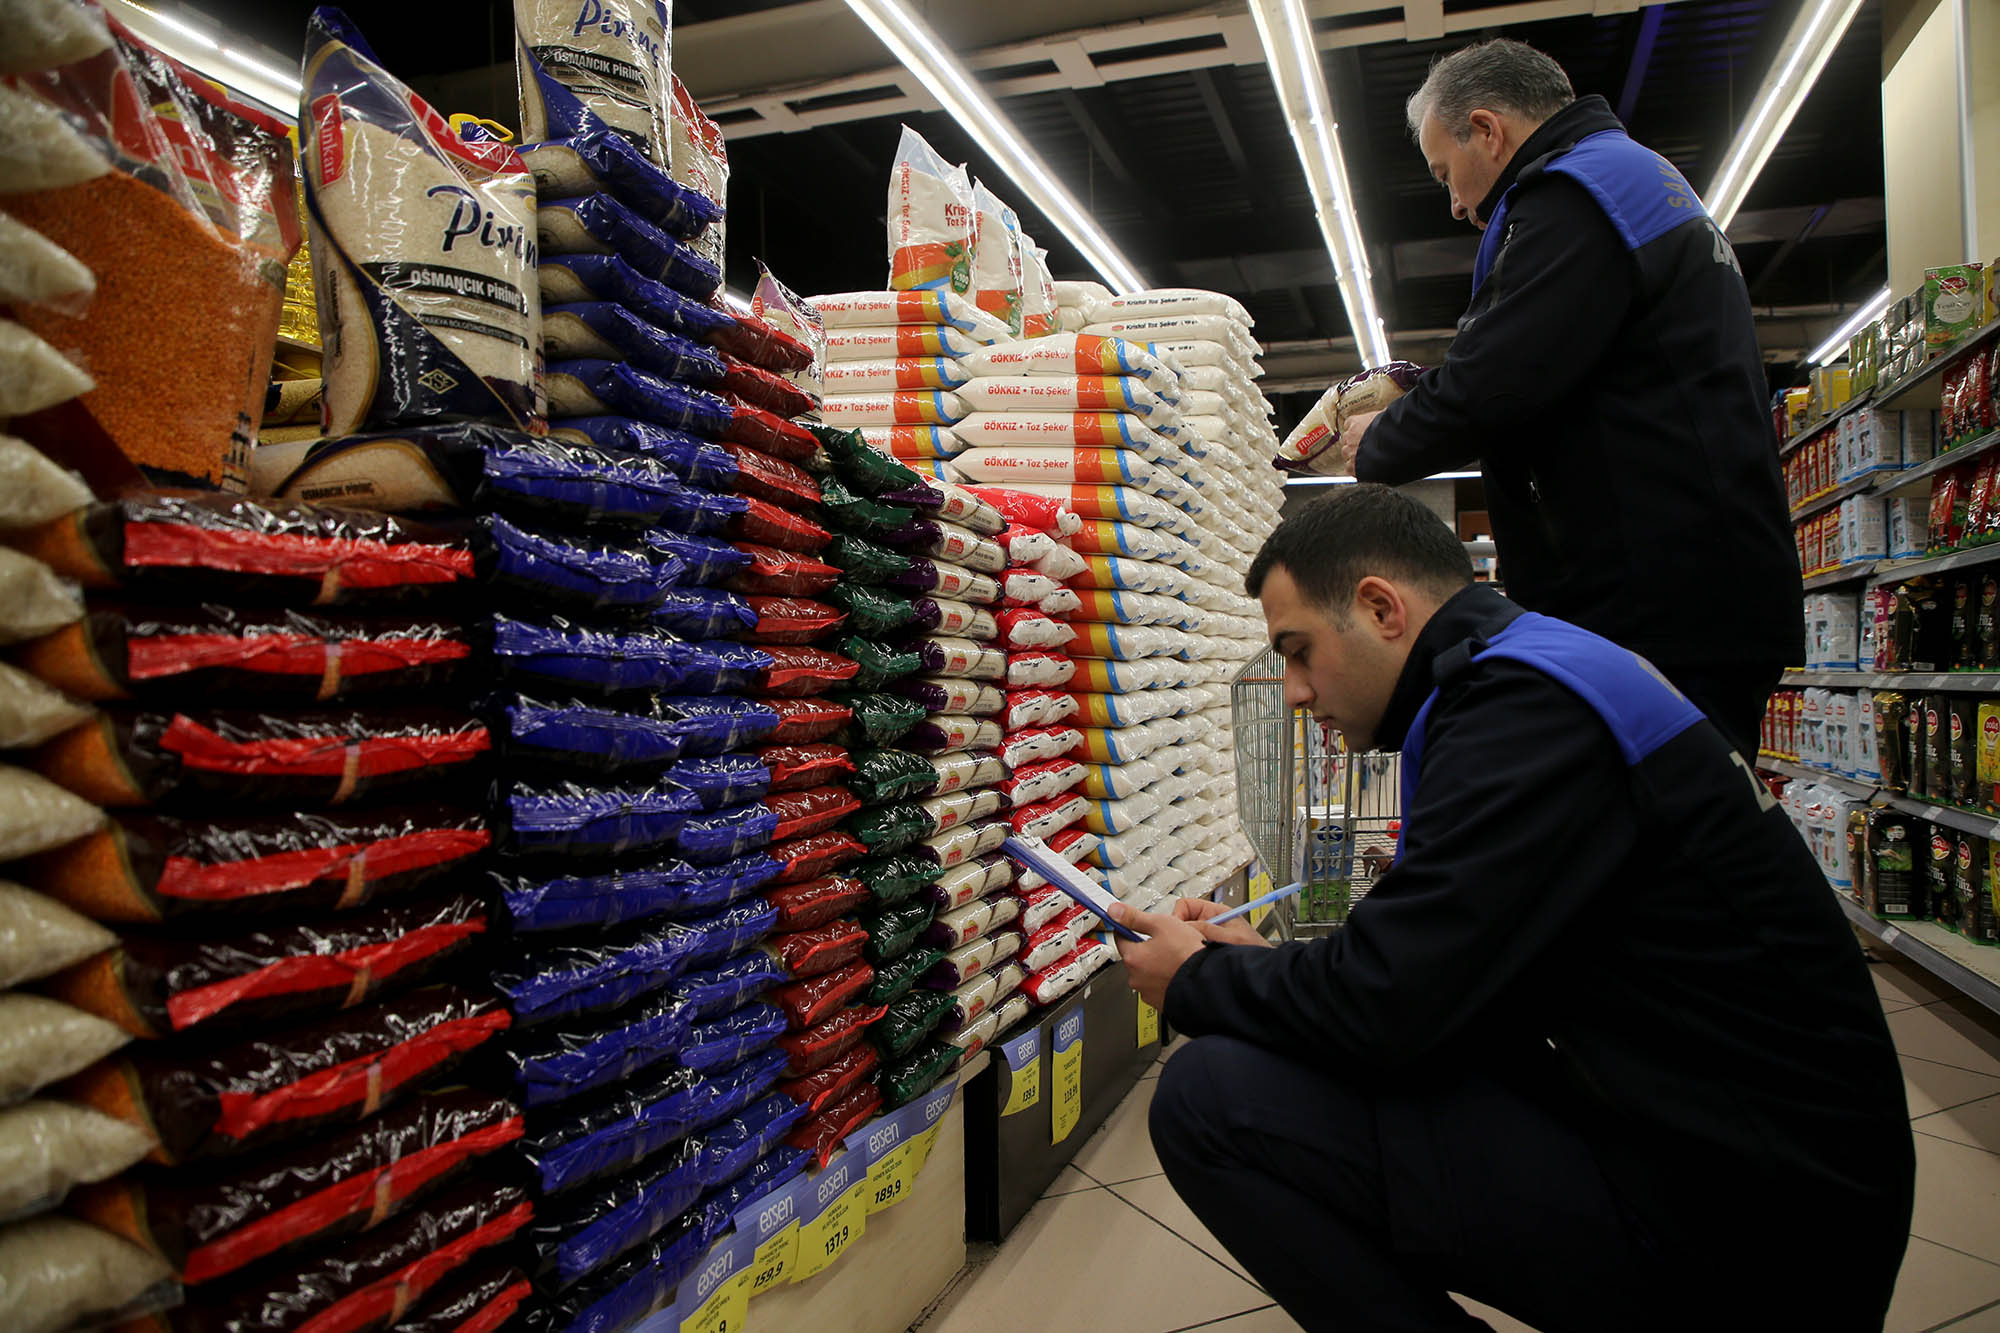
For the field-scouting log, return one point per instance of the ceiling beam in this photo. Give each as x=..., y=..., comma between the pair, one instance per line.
x=1784, y=251
x=1642, y=59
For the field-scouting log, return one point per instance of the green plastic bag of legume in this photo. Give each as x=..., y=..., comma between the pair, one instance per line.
x=891, y=775
x=871, y=611
x=864, y=561
x=899, y=976
x=892, y=930
x=879, y=719
x=893, y=878
x=909, y=1021
x=864, y=470
x=880, y=663
x=907, y=1080
x=884, y=829
x=857, y=513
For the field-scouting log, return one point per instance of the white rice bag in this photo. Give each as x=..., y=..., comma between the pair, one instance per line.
x=58, y=1273
x=42, y=1040
x=39, y=935
x=34, y=375
x=34, y=270
x=48, y=1147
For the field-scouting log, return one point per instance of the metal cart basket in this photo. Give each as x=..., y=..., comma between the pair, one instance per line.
x=1313, y=810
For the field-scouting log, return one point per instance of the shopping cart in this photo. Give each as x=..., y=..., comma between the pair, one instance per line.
x=1313, y=810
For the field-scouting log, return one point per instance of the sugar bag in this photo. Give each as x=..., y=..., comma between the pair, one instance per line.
x=1310, y=448
x=897, y=342
x=424, y=251
x=996, y=259
x=1038, y=309
x=845, y=310
x=932, y=225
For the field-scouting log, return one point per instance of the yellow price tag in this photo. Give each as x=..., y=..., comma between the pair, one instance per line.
x=1260, y=884
x=889, y=1179
x=1024, y=1072
x=777, y=1259
x=1066, y=1074
x=1149, y=1025
x=726, y=1310
x=841, y=1194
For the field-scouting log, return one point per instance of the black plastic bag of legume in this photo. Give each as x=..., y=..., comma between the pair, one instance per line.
x=891, y=775
x=865, y=561
x=879, y=718
x=894, y=879
x=880, y=664
x=862, y=469
x=871, y=611
x=909, y=1021
x=899, y=976
x=893, y=931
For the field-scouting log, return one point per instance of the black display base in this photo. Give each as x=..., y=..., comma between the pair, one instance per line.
x=1009, y=1159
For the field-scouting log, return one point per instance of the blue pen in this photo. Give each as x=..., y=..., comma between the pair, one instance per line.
x=1258, y=901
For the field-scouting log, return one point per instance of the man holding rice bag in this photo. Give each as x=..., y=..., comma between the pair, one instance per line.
x=1607, y=378
x=1598, y=1050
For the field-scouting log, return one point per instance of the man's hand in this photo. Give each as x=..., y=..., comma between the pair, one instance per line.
x=1350, y=440
x=1198, y=910
x=1153, y=961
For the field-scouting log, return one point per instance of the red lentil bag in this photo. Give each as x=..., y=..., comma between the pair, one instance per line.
x=816, y=901
x=793, y=620
x=810, y=857
x=364, y=1284
x=796, y=766
x=153, y=987
x=774, y=525
x=778, y=573
x=795, y=672
x=823, y=1135
x=208, y=1224
x=815, y=952
x=819, y=1046
x=234, y=550
x=821, y=1089
x=803, y=721
x=773, y=479
x=812, y=1001
x=324, y=757
x=214, y=650
x=148, y=868
x=801, y=814
x=294, y=1083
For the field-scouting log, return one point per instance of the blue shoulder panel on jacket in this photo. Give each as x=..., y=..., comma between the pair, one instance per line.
x=1640, y=191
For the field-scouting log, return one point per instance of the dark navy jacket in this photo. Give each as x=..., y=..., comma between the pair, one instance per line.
x=1607, y=377
x=1596, y=904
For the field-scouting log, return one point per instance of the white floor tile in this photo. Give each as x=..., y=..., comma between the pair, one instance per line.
x=1122, y=1148
x=1942, y=1032
x=1069, y=1182
x=1938, y=1284
x=1958, y=1197
x=1931, y=1087
x=1155, y=1197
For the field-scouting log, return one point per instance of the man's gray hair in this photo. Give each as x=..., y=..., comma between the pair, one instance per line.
x=1500, y=75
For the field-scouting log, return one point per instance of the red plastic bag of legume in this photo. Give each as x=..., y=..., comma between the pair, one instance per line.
x=758, y=474
x=774, y=525
x=797, y=671
x=802, y=721
x=823, y=1135
x=764, y=344
x=819, y=1090
x=796, y=766
x=815, y=810
x=775, y=573
x=815, y=952
x=793, y=620
x=817, y=1047
x=770, y=432
x=818, y=901
x=820, y=854
x=760, y=388
x=813, y=1000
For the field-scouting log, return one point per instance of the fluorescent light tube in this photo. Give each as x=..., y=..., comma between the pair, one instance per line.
x=1836, y=344
x=912, y=43
x=1814, y=34
x=277, y=77
x=1293, y=55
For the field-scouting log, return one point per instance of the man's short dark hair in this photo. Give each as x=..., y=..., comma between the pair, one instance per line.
x=1354, y=531
x=1498, y=75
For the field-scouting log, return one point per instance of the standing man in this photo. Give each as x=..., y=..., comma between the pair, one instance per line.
x=1598, y=1050
x=1607, y=378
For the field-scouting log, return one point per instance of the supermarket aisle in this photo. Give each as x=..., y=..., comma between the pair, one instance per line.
x=1113, y=1248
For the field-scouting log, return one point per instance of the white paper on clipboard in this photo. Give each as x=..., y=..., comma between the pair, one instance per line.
x=1052, y=866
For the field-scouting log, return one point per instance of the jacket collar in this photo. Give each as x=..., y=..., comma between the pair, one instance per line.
x=1558, y=134
x=1475, y=612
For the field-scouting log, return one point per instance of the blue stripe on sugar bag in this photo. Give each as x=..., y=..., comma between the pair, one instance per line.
x=606, y=162
x=580, y=574
x=703, y=463
x=591, y=387
x=567, y=279
x=597, y=224
x=608, y=330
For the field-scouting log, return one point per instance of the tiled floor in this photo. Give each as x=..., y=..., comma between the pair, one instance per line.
x=1115, y=1250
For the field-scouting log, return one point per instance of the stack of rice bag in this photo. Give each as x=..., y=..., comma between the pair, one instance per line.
x=892, y=361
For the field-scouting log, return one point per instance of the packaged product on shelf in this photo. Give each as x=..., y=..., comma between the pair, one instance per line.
x=997, y=269
x=606, y=162
x=933, y=222
x=434, y=322
x=61, y=1273
x=609, y=67
x=879, y=310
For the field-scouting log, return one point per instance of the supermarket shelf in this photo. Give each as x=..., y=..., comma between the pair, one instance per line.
x=1971, y=969
x=1852, y=405
x=1920, y=389
x=1965, y=821
x=1886, y=570
x=1845, y=574
x=1859, y=486
x=1971, y=682
x=1895, y=483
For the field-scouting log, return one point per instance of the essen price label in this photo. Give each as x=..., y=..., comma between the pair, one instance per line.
x=901, y=1145
x=1066, y=1076
x=1024, y=1072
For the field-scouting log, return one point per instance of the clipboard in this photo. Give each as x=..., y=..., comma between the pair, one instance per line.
x=1057, y=870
